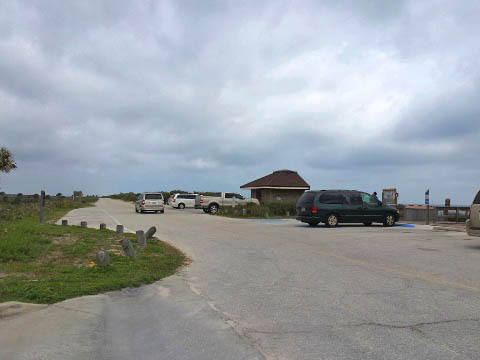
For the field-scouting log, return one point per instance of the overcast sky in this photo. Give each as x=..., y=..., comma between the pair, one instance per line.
x=110, y=96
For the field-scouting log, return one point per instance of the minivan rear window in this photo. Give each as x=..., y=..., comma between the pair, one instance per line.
x=307, y=198
x=153, y=197
x=476, y=201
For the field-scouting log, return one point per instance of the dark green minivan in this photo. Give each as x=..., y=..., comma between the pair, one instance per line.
x=343, y=206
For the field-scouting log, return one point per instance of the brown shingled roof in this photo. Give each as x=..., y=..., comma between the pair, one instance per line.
x=280, y=178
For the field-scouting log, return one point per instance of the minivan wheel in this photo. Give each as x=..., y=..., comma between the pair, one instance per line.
x=332, y=220
x=368, y=223
x=313, y=223
x=212, y=209
x=136, y=210
x=206, y=211
x=181, y=206
x=389, y=220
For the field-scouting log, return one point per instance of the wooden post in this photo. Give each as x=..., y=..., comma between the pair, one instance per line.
x=42, y=207
x=141, y=240
x=119, y=229
x=128, y=248
x=102, y=258
x=103, y=226
x=456, y=215
x=83, y=224
x=150, y=232
x=64, y=222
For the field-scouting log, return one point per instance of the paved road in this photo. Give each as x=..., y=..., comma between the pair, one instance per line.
x=271, y=290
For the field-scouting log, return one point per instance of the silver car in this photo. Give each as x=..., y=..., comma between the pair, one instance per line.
x=149, y=201
x=473, y=224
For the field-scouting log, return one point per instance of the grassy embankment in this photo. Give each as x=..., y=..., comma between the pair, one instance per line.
x=273, y=210
x=49, y=263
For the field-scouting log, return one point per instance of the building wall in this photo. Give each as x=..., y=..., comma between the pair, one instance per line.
x=277, y=195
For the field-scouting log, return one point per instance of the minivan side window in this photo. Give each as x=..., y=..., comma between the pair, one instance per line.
x=476, y=201
x=369, y=199
x=228, y=195
x=355, y=199
x=332, y=198
x=180, y=196
x=238, y=196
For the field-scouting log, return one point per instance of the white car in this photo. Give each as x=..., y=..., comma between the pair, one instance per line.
x=182, y=201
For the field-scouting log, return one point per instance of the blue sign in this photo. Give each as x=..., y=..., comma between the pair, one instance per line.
x=427, y=197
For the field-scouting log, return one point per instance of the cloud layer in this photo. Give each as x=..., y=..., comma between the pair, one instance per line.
x=131, y=96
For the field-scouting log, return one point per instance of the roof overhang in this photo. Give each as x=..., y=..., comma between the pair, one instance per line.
x=275, y=187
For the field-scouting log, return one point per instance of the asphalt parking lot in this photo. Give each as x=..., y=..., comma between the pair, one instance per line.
x=274, y=290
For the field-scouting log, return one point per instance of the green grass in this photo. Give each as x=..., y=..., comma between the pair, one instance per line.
x=50, y=263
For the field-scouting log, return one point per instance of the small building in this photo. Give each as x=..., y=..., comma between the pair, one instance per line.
x=284, y=186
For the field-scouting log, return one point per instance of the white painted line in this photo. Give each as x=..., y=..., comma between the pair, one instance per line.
x=116, y=221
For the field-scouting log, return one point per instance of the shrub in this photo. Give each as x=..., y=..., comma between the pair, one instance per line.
x=263, y=210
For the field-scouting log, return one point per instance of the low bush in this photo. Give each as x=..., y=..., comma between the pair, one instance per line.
x=130, y=196
x=261, y=211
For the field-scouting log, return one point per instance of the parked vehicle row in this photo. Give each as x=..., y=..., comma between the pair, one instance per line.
x=332, y=207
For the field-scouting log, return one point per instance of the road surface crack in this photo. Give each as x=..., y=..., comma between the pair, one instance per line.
x=77, y=310
x=412, y=326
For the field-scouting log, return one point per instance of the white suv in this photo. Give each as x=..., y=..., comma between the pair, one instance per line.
x=182, y=201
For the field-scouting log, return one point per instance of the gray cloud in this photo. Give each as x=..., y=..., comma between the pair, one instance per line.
x=109, y=96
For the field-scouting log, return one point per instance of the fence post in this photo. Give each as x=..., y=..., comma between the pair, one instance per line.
x=42, y=207
x=119, y=229
x=456, y=215
x=140, y=234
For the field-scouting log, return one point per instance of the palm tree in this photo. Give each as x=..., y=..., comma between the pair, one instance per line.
x=6, y=160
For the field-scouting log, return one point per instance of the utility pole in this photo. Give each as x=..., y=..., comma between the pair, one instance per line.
x=427, y=202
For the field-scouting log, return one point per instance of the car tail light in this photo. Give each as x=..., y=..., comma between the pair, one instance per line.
x=143, y=202
x=174, y=200
x=201, y=201
x=314, y=209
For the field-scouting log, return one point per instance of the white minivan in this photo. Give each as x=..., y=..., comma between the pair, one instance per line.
x=182, y=201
